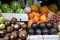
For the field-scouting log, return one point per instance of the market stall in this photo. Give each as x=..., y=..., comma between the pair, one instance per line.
x=29, y=20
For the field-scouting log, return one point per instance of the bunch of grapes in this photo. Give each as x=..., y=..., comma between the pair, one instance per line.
x=55, y=19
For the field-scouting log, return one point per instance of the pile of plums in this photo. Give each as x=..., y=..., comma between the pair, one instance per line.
x=47, y=28
x=14, y=30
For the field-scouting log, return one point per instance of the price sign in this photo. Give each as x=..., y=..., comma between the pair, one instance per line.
x=36, y=37
x=9, y=16
x=51, y=37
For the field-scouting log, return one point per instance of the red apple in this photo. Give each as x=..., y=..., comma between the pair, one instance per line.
x=45, y=14
x=36, y=18
x=37, y=14
x=30, y=15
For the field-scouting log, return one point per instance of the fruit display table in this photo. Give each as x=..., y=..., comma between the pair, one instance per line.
x=23, y=17
x=33, y=21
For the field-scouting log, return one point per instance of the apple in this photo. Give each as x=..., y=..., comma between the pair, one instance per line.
x=36, y=18
x=45, y=14
x=37, y=14
x=30, y=15
x=34, y=13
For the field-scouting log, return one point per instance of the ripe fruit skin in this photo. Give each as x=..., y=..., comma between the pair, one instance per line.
x=36, y=14
x=49, y=25
x=45, y=31
x=53, y=7
x=53, y=31
x=34, y=25
x=30, y=15
x=31, y=31
x=38, y=32
x=36, y=18
x=55, y=19
x=35, y=8
x=42, y=25
x=43, y=18
x=44, y=9
x=44, y=14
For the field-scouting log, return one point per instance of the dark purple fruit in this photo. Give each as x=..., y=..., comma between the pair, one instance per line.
x=55, y=26
x=14, y=20
x=49, y=25
x=38, y=32
x=42, y=25
x=45, y=31
x=7, y=22
x=34, y=25
x=53, y=31
x=31, y=31
x=22, y=34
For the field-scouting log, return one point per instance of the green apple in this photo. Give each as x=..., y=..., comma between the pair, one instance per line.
x=2, y=26
x=2, y=19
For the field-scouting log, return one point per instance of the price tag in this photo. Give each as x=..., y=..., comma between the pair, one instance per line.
x=36, y=37
x=51, y=37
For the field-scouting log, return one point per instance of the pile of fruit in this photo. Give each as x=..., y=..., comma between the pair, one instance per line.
x=44, y=20
x=13, y=7
x=43, y=14
x=43, y=29
x=13, y=30
x=2, y=19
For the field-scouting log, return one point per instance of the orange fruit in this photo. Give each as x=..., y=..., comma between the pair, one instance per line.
x=35, y=8
x=30, y=15
x=53, y=7
x=43, y=18
x=44, y=9
x=36, y=18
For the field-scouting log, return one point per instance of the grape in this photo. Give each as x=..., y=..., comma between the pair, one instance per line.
x=55, y=18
